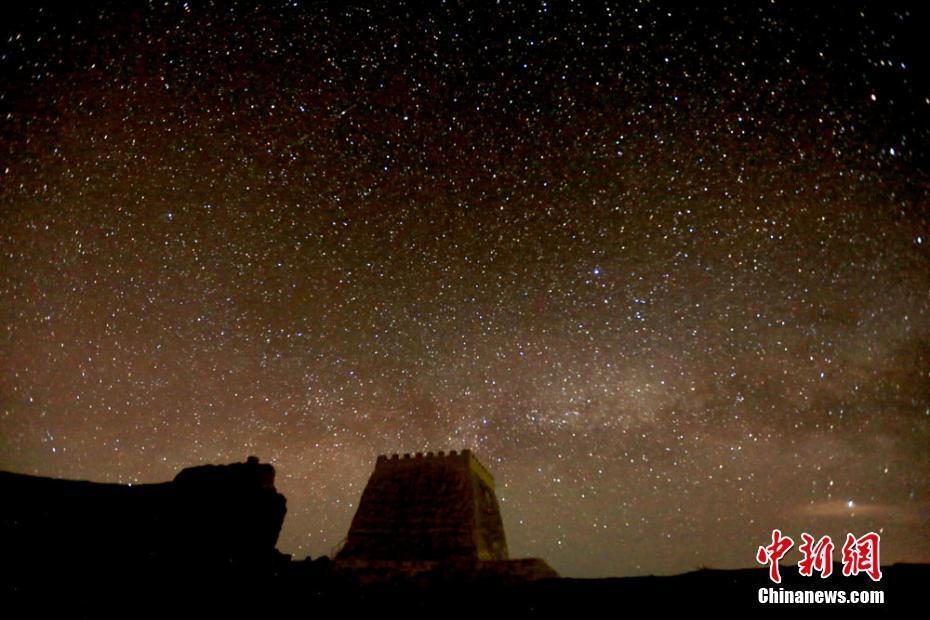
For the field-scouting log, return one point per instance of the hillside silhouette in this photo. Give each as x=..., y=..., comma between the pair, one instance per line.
x=205, y=543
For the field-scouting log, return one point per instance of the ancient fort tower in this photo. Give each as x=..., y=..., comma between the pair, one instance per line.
x=433, y=507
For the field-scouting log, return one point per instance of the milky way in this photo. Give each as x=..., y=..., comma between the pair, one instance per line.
x=665, y=270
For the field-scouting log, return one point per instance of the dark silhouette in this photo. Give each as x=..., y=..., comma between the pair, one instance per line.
x=204, y=544
x=211, y=514
x=75, y=537
x=428, y=517
x=432, y=507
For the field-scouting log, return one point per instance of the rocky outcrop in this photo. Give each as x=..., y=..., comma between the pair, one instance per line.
x=208, y=518
x=229, y=512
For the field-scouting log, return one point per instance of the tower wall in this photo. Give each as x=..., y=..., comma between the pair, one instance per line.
x=427, y=507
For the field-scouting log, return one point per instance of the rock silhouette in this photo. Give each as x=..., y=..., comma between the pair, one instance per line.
x=209, y=518
x=203, y=544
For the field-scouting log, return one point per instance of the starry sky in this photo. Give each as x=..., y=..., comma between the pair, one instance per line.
x=666, y=270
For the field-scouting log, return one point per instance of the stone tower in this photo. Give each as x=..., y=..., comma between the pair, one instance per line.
x=432, y=507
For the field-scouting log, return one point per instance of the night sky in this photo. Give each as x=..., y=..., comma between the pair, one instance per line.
x=665, y=270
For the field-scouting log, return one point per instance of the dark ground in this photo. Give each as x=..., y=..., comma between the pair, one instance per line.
x=302, y=589
x=202, y=545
